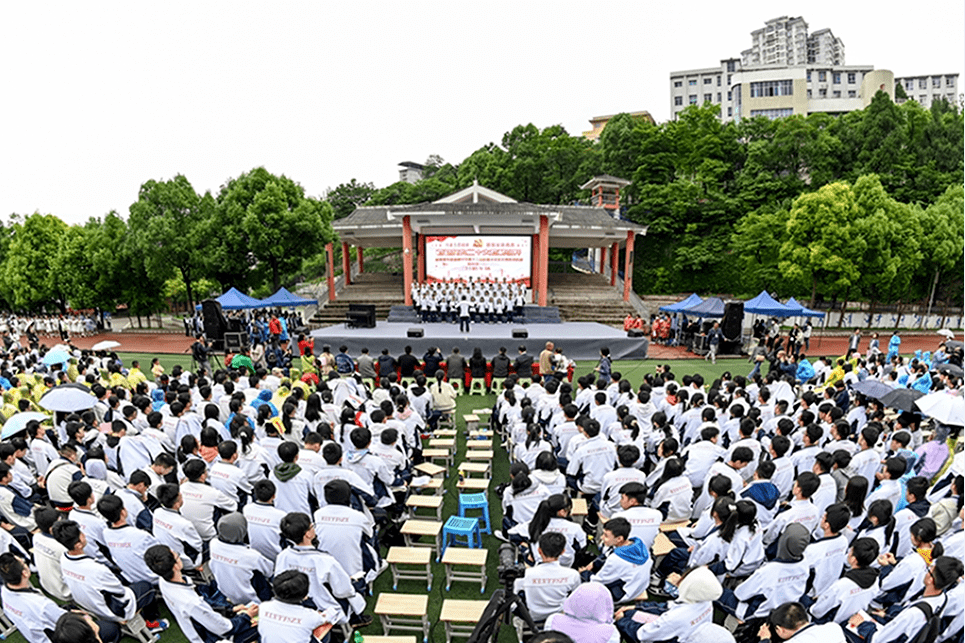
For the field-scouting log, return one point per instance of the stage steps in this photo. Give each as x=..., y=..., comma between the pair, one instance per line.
x=384, y=290
x=587, y=297
x=531, y=315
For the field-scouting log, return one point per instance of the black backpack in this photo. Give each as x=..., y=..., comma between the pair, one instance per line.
x=933, y=623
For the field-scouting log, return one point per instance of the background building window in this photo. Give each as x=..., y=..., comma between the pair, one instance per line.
x=708, y=81
x=692, y=82
x=678, y=100
x=708, y=97
x=836, y=94
x=922, y=83
x=852, y=93
x=693, y=99
x=936, y=82
x=822, y=76
x=852, y=77
x=772, y=88
x=836, y=78
x=772, y=113
x=678, y=83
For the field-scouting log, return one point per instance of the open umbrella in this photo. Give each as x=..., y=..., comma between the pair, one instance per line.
x=944, y=407
x=946, y=332
x=871, y=388
x=951, y=369
x=953, y=344
x=902, y=399
x=67, y=398
x=56, y=357
x=18, y=422
x=105, y=345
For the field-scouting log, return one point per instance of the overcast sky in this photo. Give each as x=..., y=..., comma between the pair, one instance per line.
x=100, y=97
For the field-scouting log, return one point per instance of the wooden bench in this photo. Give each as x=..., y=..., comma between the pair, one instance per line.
x=473, y=485
x=424, y=502
x=406, y=612
x=435, y=485
x=422, y=528
x=472, y=421
x=439, y=454
x=479, y=454
x=460, y=617
x=467, y=469
x=421, y=557
x=580, y=510
x=445, y=433
x=473, y=558
x=479, y=444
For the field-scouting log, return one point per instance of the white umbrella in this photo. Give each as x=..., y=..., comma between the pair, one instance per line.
x=944, y=407
x=67, y=398
x=947, y=333
x=56, y=357
x=18, y=422
x=105, y=345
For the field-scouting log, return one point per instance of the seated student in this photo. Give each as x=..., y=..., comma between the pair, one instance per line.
x=587, y=616
x=610, y=497
x=743, y=546
x=330, y=586
x=96, y=589
x=264, y=520
x=226, y=476
x=803, y=458
x=789, y=622
x=372, y=469
x=827, y=492
x=678, y=619
x=203, y=503
x=243, y=574
x=827, y=556
x=763, y=493
x=163, y=466
x=134, y=496
x=545, y=587
x=90, y=523
x=625, y=571
x=852, y=592
x=347, y=534
x=879, y=524
x=60, y=473
x=783, y=477
x=552, y=516
x=126, y=544
x=48, y=553
x=704, y=548
x=591, y=460
x=293, y=485
x=889, y=486
x=917, y=507
x=176, y=531
x=520, y=499
x=672, y=492
x=732, y=469
x=906, y=577
x=32, y=612
x=644, y=521
x=285, y=619
x=774, y=583
x=547, y=473
x=701, y=455
x=911, y=618
x=199, y=614
x=800, y=510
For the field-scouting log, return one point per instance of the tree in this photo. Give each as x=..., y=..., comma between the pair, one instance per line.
x=756, y=244
x=345, y=198
x=280, y=224
x=942, y=238
x=169, y=224
x=29, y=280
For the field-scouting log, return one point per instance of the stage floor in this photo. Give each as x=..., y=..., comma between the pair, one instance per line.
x=579, y=340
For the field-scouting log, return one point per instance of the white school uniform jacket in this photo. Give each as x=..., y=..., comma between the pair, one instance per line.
x=909, y=573
x=845, y=598
x=545, y=587
x=47, y=557
x=93, y=526
x=7, y=495
x=802, y=511
x=783, y=477
x=280, y=622
x=678, y=622
x=612, y=482
x=826, y=494
x=777, y=582
x=43, y=453
x=340, y=530
x=597, y=457
x=327, y=579
x=230, y=480
x=524, y=504
x=233, y=566
x=264, y=528
x=700, y=456
x=60, y=474
x=911, y=620
x=293, y=494
x=866, y=463
x=677, y=493
x=572, y=532
x=189, y=608
x=704, y=500
x=826, y=633
x=89, y=581
x=200, y=502
x=826, y=558
x=127, y=546
x=745, y=552
x=635, y=577
x=178, y=533
x=31, y=612
x=644, y=523
x=889, y=490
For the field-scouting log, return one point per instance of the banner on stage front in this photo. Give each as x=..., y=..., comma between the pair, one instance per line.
x=484, y=257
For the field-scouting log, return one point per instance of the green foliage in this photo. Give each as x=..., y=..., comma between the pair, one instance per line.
x=29, y=278
x=345, y=198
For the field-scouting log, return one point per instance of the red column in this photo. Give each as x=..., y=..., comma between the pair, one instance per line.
x=361, y=259
x=534, y=281
x=544, y=257
x=407, y=259
x=330, y=252
x=614, y=260
x=346, y=264
x=628, y=267
x=422, y=259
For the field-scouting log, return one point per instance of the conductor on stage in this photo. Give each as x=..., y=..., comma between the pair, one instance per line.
x=464, y=314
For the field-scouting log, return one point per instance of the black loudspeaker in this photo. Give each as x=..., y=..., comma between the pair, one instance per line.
x=634, y=332
x=415, y=332
x=214, y=321
x=733, y=320
x=233, y=342
x=520, y=333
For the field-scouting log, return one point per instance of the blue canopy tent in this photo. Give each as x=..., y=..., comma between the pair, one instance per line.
x=234, y=299
x=680, y=306
x=764, y=304
x=286, y=299
x=710, y=307
x=800, y=310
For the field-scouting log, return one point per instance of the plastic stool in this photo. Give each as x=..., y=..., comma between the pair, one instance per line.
x=477, y=386
x=476, y=501
x=456, y=528
x=497, y=384
x=457, y=386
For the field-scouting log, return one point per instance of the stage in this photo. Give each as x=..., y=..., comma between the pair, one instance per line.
x=579, y=340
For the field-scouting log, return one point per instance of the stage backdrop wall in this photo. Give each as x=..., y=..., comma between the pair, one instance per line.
x=479, y=257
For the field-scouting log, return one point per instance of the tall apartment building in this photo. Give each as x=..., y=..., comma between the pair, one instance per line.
x=786, y=42
x=824, y=48
x=926, y=89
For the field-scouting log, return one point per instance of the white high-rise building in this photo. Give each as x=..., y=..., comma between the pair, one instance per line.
x=781, y=41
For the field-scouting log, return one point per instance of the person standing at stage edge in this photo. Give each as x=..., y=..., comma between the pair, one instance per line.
x=463, y=314
x=546, y=362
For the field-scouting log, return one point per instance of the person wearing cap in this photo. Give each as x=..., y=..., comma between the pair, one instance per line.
x=242, y=573
x=693, y=607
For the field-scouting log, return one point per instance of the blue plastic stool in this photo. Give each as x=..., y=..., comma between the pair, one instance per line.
x=476, y=501
x=457, y=528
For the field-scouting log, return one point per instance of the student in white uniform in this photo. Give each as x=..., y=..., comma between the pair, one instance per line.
x=625, y=570
x=201, y=501
x=644, y=521
x=285, y=619
x=906, y=577
x=90, y=522
x=789, y=622
x=852, y=592
x=176, y=531
x=674, y=493
x=693, y=608
x=827, y=555
x=553, y=516
x=226, y=476
x=126, y=544
x=198, y=620
x=264, y=520
x=347, y=534
x=800, y=510
x=546, y=586
x=48, y=553
x=243, y=574
x=610, y=497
